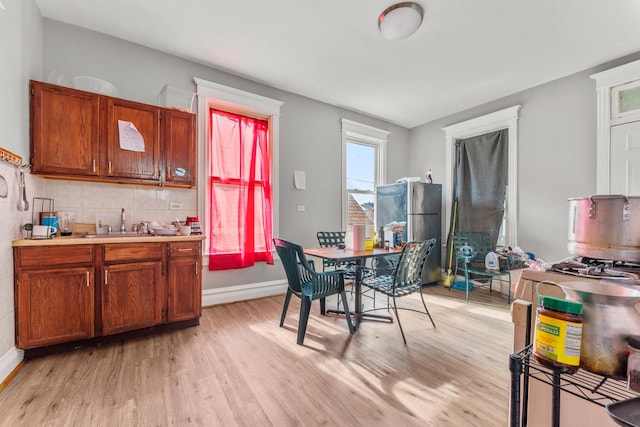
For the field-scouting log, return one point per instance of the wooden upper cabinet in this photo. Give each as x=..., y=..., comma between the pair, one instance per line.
x=133, y=140
x=79, y=135
x=65, y=130
x=179, y=148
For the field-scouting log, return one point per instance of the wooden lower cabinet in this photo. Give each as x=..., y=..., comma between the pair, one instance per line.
x=132, y=296
x=56, y=305
x=184, y=279
x=83, y=292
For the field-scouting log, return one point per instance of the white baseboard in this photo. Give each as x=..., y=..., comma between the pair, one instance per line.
x=243, y=292
x=9, y=361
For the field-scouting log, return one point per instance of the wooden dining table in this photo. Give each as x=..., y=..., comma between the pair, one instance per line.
x=341, y=256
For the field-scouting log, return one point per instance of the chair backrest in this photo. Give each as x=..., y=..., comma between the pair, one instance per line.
x=385, y=265
x=330, y=238
x=412, y=260
x=480, y=241
x=295, y=263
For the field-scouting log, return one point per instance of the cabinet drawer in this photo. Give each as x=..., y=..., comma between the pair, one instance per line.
x=53, y=256
x=184, y=249
x=132, y=251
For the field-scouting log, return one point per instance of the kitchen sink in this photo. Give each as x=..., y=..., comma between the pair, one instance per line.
x=116, y=234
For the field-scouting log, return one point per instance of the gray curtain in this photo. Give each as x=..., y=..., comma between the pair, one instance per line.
x=480, y=182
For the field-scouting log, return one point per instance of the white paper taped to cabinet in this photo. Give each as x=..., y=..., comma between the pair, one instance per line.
x=130, y=138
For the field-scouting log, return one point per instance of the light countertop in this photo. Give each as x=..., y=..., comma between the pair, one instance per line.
x=74, y=240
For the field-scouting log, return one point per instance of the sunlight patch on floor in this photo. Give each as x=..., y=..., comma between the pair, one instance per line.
x=493, y=313
x=443, y=302
x=423, y=402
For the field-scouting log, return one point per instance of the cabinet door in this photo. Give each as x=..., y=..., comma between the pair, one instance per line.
x=179, y=148
x=65, y=129
x=54, y=306
x=133, y=140
x=185, y=294
x=132, y=296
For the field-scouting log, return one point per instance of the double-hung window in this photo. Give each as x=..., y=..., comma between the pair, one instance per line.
x=240, y=191
x=239, y=139
x=364, y=152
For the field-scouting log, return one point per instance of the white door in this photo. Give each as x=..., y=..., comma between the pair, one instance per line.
x=625, y=159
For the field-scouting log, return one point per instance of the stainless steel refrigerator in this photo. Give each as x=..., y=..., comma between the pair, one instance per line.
x=419, y=205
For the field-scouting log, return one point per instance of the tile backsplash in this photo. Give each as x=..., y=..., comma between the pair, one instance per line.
x=141, y=202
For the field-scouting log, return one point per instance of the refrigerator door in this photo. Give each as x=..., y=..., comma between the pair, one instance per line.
x=424, y=227
x=418, y=204
x=425, y=198
x=391, y=205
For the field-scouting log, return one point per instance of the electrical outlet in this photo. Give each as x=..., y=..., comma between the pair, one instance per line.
x=300, y=208
x=174, y=206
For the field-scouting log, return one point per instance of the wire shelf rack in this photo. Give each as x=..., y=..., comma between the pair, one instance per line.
x=586, y=385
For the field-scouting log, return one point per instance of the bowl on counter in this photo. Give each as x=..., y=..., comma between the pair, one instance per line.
x=165, y=231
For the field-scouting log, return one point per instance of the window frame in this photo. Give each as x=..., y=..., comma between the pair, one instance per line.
x=367, y=135
x=214, y=95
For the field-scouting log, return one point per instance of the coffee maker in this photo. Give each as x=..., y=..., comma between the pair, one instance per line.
x=194, y=223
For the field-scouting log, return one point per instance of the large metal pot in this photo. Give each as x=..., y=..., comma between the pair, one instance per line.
x=610, y=313
x=605, y=227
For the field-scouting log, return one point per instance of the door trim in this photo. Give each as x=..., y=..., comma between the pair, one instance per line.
x=502, y=119
x=605, y=81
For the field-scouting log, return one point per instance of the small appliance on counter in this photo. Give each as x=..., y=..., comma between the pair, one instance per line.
x=194, y=223
x=43, y=214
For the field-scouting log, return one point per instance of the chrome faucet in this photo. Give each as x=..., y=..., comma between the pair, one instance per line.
x=123, y=219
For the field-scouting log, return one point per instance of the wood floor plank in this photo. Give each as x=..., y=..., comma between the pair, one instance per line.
x=238, y=368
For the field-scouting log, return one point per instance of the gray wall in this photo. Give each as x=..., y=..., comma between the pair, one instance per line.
x=21, y=60
x=310, y=133
x=556, y=154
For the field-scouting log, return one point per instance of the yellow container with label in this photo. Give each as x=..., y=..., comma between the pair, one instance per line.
x=558, y=334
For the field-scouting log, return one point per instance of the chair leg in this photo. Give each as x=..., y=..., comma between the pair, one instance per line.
x=466, y=282
x=426, y=309
x=285, y=306
x=323, y=310
x=347, y=314
x=395, y=310
x=305, y=308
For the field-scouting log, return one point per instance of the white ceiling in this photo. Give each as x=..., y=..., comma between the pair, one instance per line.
x=466, y=53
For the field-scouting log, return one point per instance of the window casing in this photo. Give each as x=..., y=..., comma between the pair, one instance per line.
x=363, y=154
x=240, y=212
x=213, y=95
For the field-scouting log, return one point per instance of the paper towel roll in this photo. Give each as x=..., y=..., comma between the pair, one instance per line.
x=359, y=237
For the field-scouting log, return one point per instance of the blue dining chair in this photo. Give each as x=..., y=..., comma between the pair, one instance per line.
x=308, y=285
x=404, y=279
x=471, y=248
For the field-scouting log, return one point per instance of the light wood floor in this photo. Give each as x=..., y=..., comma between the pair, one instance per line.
x=238, y=368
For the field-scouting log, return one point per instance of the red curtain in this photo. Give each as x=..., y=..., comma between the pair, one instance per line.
x=240, y=212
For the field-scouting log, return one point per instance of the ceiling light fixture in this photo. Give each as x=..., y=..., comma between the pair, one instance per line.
x=401, y=20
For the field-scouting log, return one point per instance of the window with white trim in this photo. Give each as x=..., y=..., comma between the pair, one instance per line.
x=214, y=96
x=364, y=150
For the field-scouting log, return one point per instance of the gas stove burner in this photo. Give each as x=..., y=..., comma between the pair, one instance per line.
x=597, y=268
